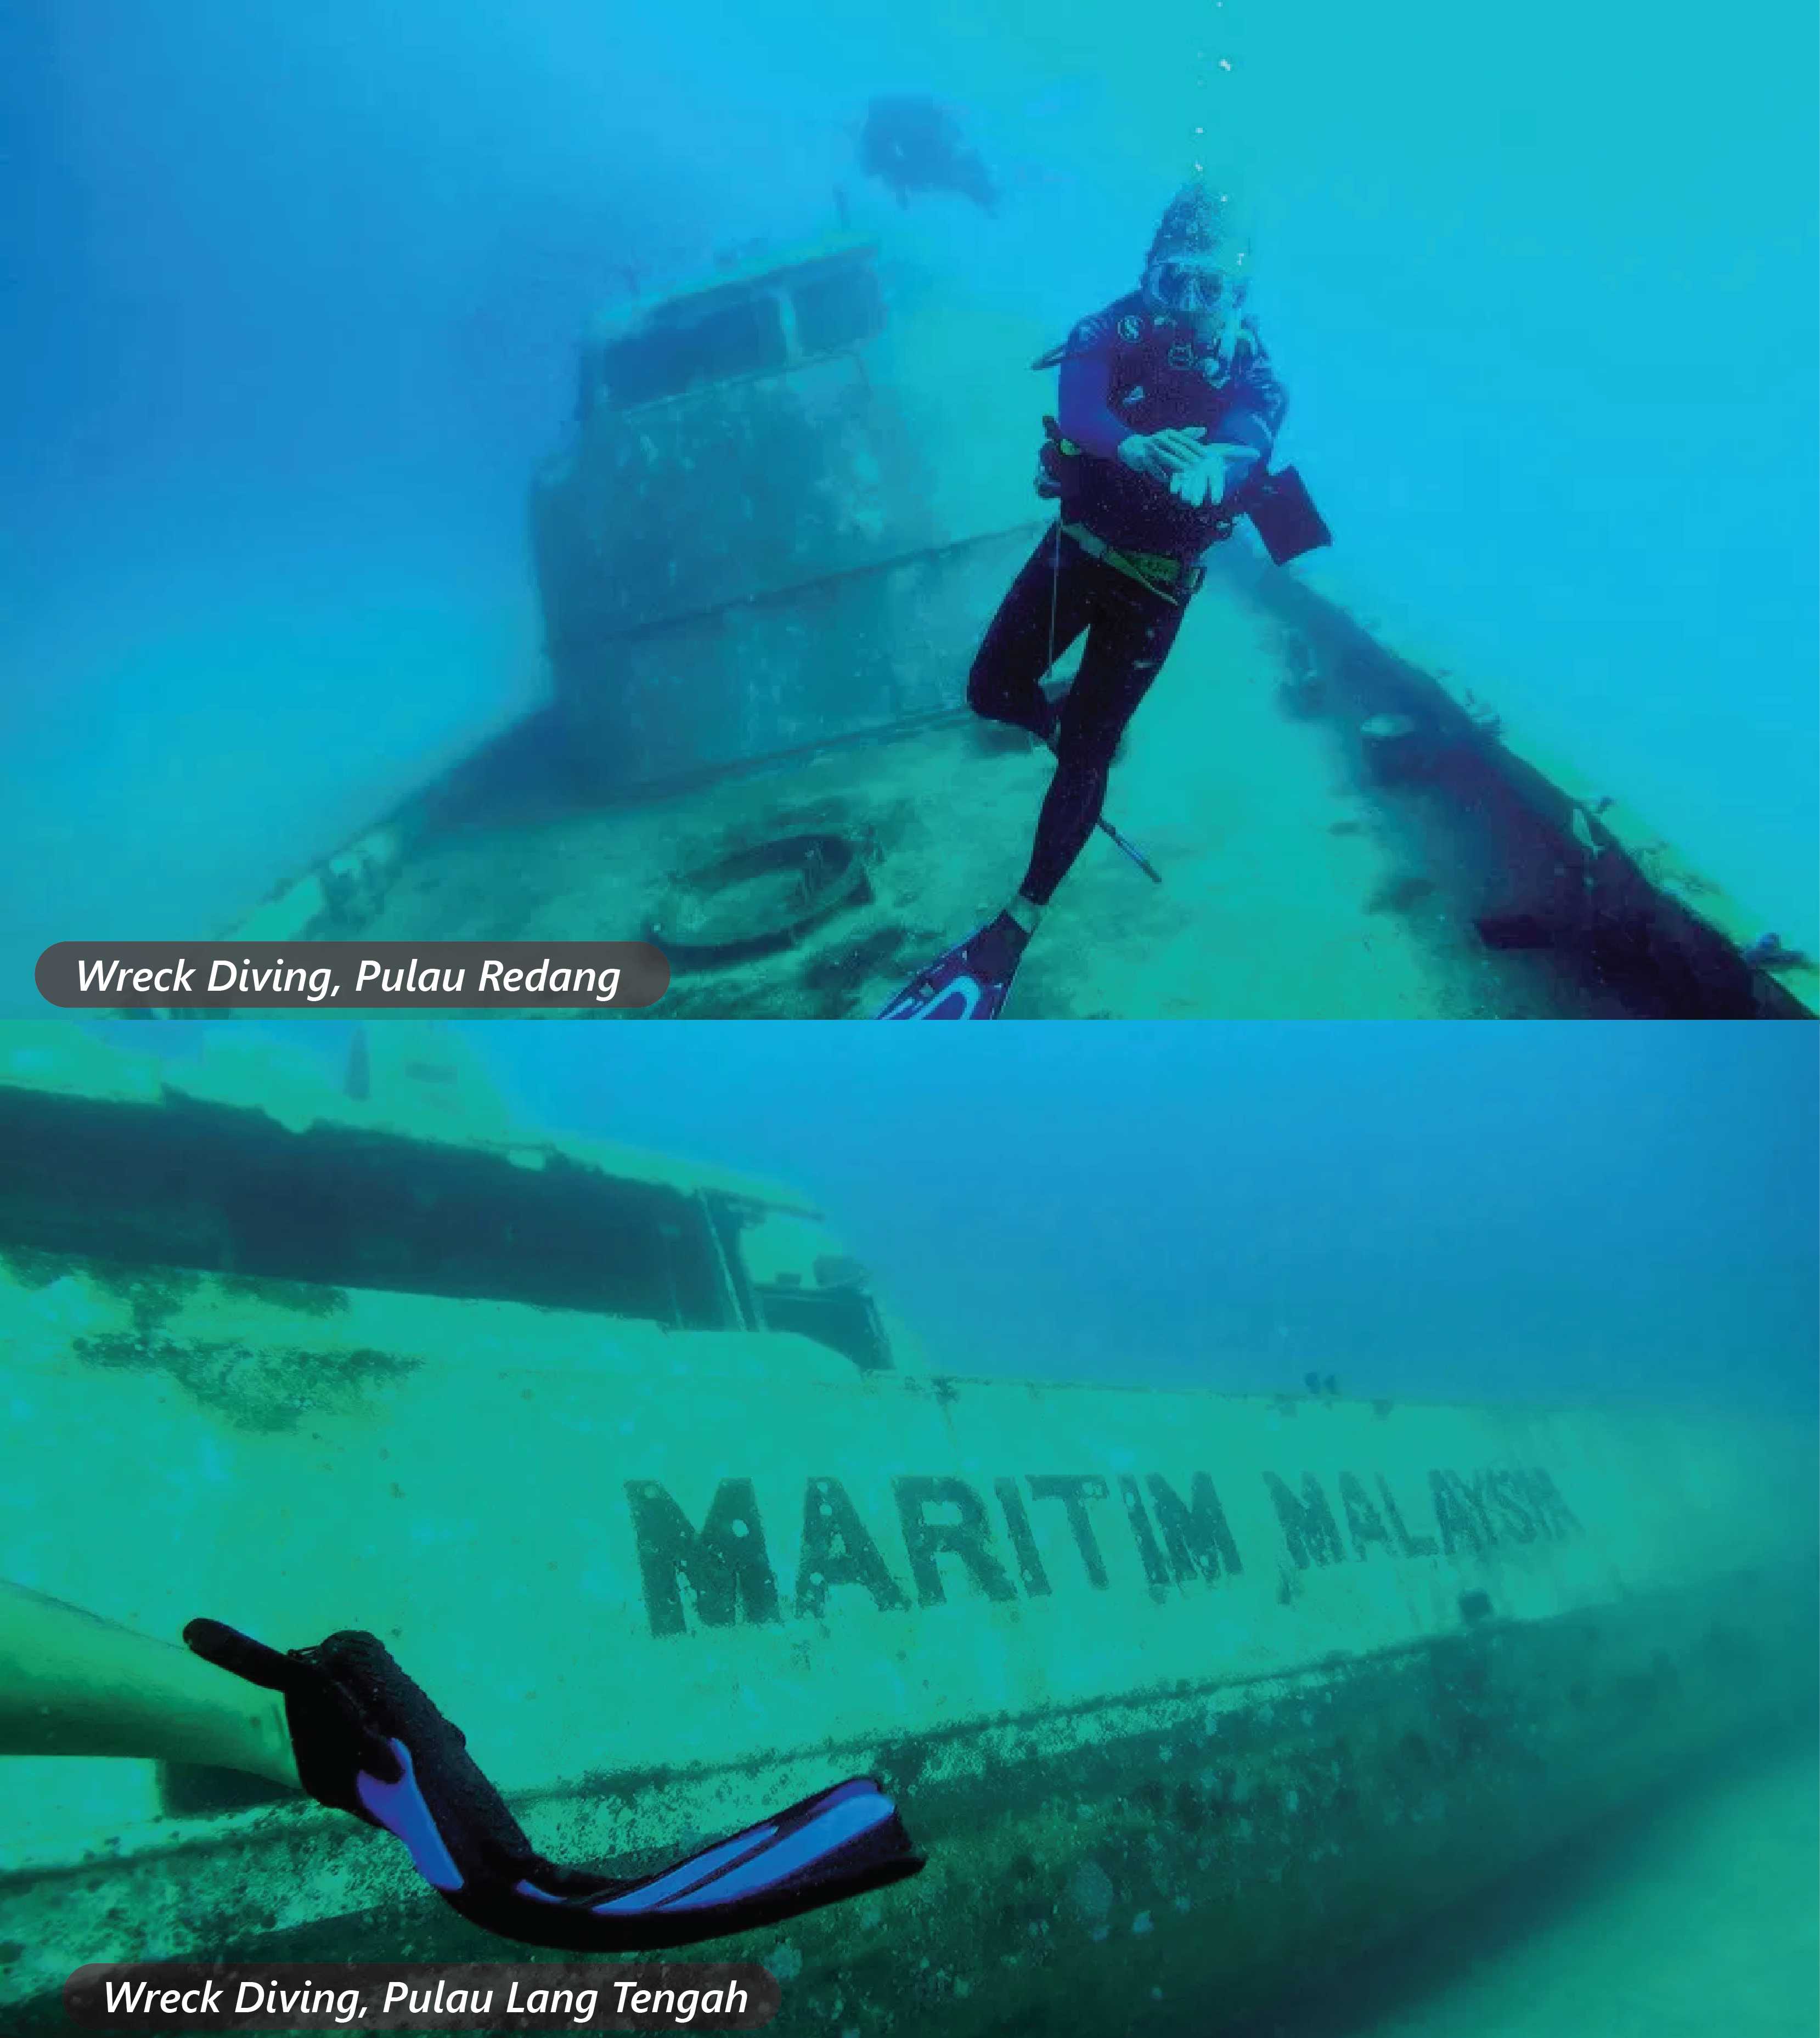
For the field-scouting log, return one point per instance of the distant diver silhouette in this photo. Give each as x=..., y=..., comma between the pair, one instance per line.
x=913, y=144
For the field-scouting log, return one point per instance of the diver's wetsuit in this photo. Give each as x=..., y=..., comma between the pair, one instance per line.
x=1126, y=369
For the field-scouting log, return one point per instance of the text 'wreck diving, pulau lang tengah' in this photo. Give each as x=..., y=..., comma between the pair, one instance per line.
x=921, y=1684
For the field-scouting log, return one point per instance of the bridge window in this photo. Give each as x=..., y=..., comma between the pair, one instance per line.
x=225, y=1191
x=838, y=307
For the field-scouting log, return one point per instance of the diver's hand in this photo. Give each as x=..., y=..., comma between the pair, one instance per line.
x=1160, y=455
x=1220, y=469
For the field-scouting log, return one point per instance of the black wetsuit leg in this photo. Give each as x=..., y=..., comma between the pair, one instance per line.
x=1054, y=587
x=1128, y=638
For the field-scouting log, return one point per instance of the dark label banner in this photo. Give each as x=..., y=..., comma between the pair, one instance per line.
x=352, y=976
x=608, y=1996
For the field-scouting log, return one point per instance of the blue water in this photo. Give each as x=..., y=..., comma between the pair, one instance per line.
x=293, y=296
x=1566, y=1217
x=1578, y=1214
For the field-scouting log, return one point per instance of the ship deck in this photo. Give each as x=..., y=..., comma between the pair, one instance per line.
x=1294, y=885
x=1301, y=877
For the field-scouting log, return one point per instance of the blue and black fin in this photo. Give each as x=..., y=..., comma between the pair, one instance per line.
x=972, y=980
x=369, y=1741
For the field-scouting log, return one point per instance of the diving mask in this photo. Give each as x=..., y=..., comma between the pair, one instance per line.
x=1196, y=285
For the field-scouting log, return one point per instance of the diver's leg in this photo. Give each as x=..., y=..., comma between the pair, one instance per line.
x=1127, y=641
x=1047, y=607
x=72, y=1684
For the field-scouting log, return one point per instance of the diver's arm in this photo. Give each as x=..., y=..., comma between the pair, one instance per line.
x=1257, y=404
x=72, y=1683
x=1244, y=437
x=1087, y=418
x=1245, y=445
x=1086, y=414
x=1244, y=450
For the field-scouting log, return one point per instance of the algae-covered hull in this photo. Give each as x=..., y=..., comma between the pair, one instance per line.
x=1184, y=1694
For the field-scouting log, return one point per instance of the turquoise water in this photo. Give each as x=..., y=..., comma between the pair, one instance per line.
x=1537, y=1214
x=297, y=295
x=1695, y=1914
x=1545, y=1215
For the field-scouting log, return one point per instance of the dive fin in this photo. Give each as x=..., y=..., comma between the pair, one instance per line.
x=836, y=1844
x=370, y=1741
x=971, y=981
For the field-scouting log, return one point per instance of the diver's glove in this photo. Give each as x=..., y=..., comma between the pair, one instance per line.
x=369, y=1741
x=1221, y=467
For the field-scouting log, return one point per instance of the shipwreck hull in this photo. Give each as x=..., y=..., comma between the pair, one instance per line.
x=863, y=651
x=1186, y=1696
x=756, y=539
x=1255, y=1749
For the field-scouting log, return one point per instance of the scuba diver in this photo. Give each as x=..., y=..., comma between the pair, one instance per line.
x=1169, y=412
x=344, y=1723
x=912, y=144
